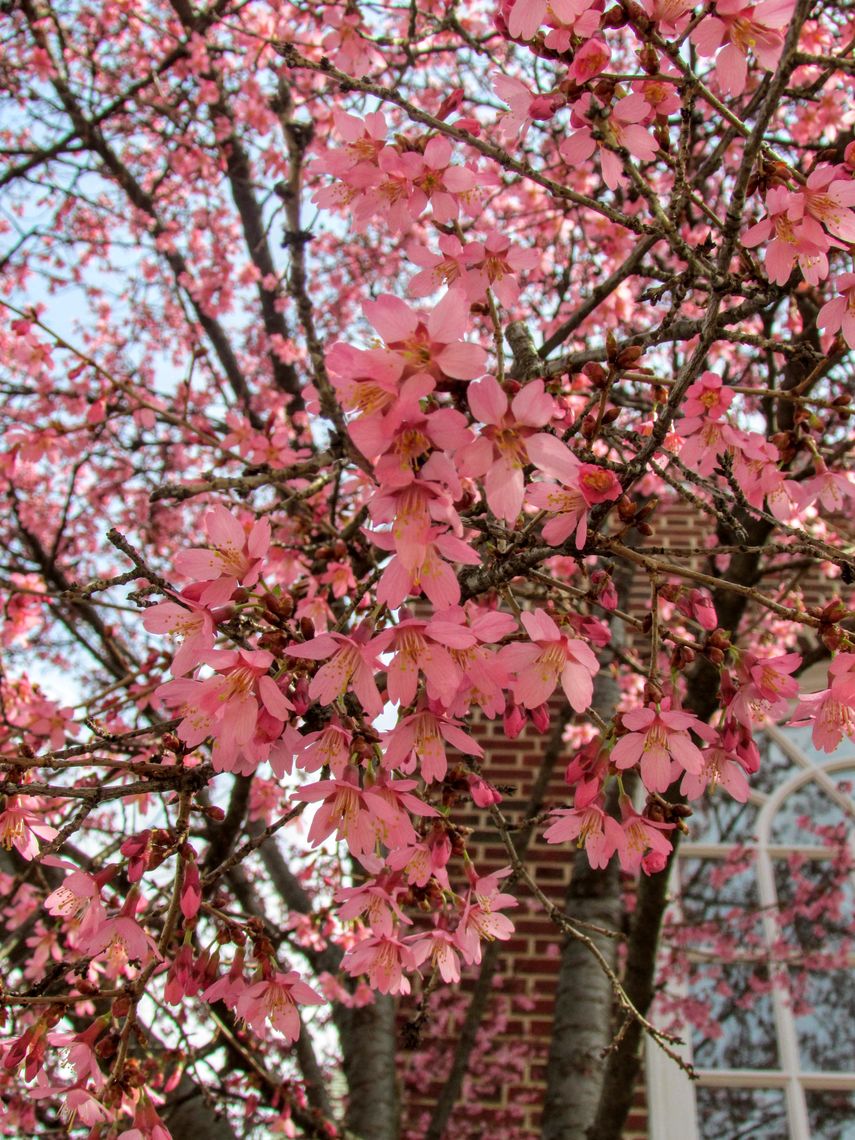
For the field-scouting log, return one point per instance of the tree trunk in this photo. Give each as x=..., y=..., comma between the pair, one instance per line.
x=582, y=1027
x=188, y=1112
x=369, y=1045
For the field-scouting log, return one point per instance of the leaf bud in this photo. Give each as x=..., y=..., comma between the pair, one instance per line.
x=629, y=355
x=595, y=373
x=610, y=415
x=648, y=57
x=614, y=18
x=121, y=1006
x=683, y=655
x=832, y=638
x=107, y=1045
x=719, y=639
x=307, y=628
x=644, y=528
x=652, y=693
x=626, y=508
x=834, y=611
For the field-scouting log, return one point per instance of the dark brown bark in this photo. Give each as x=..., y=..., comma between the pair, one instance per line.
x=188, y=1112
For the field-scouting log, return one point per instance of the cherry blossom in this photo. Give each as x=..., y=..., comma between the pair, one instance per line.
x=500, y=452
x=657, y=740
x=274, y=1000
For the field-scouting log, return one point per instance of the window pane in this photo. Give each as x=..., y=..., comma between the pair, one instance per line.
x=720, y=905
x=831, y=1115
x=801, y=737
x=825, y=1032
x=718, y=818
x=775, y=765
x=808, y=813
x=742, y=1114
x=733, y=1023
x=816, y=900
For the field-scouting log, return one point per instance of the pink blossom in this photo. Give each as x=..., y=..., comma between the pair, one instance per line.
x=235, y=556
x=467, y=633
x=600, y=835
x=570, y=21
x=500, y=452
x=423, y=860
x=352, y=665
x=495, y=264
x=827, y=196
x=424, y=735
x=431, y=575
x=417, y=650
x=841, y=676
x=766, y=687
x=384, y=959
x=78, y=1104
x=351, y=813
x=483, y=793
x=439, y=946
x=274, y=1001
x=377, y=901
x=428, y=344
x=550, y=656
x=406, y=437
x=645, y=843
x=368, y=381
x=794, y=238
x=364, y=139
x=581, y=486
x=480, y=920
x=592, y=57
x=620, y=129
x=524, y=106
x=658, y=740
x=349, y=50
x=672, y=16
x=838, y=314
x=719, y=767
x=706, y=399
x=78, y=897
x=48, y=719
x=21, y=826
x=704, y=441
x=241, y=707
x=447, y=267
x=187, y=620
x=443, y=184
x=735, y=29
x=832, y=718
x=330, y=747
x=123, y=940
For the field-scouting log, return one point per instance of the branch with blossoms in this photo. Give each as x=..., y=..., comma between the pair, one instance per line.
x=553, y=280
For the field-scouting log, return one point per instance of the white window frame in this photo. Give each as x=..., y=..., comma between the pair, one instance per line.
x=672, y=1107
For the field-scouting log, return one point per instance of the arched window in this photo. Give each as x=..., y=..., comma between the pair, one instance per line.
x=766, y=1009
